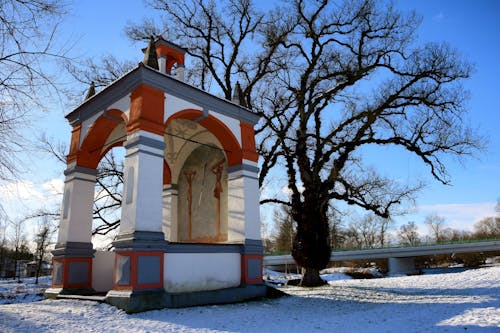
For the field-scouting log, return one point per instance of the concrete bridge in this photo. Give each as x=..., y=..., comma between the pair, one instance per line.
x=400, y=259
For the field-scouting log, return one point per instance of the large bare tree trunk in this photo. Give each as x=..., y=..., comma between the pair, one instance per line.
x=311, y=245
x=311, y=278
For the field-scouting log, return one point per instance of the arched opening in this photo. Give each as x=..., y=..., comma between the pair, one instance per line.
x=101, y=150
x=106, y=132
x=106, y=211
x=108, y=196
x=217, y=129
x=195, y=199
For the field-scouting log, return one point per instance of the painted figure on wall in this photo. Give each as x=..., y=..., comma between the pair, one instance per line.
x=217, y=170
x=190, y=175
x=203, y=196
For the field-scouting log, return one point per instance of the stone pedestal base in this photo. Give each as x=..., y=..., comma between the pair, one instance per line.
x=143, y=300
x=56, y=292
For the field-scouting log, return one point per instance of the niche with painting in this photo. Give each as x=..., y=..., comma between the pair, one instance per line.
x=202, y=197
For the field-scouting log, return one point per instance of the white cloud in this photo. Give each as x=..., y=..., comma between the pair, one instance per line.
x=22, y=189
x=54, y=186
x=23, y=197
x=459, y=216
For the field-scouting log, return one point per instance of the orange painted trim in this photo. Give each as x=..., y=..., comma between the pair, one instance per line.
x=245, y=279
x=146, y=110
x=134, y=285
x=248, y=142
x=172, y=56
x=226, y=138
x=75, y=143
x=91, y=150
x=189, y=114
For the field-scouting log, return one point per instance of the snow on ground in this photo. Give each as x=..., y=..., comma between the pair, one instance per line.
x=455, y=302
x=11, y=291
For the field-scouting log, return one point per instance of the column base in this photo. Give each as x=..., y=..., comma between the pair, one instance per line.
x=54, y=293
x=141, y=241
x=132, y=301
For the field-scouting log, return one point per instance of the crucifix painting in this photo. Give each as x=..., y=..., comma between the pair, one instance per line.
x=189, y=179
x=217, y=170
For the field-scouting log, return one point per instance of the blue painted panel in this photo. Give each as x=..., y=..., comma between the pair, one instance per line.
x=78, y=272
x=148, y=269
x=254, y=269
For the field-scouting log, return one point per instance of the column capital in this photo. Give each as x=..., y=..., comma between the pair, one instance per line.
x=74, y=169
x=145, y=142
x=243, y=170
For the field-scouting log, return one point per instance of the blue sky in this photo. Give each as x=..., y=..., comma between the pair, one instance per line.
x=473, y=27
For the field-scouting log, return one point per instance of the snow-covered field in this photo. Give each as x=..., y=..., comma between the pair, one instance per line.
x=456, y=302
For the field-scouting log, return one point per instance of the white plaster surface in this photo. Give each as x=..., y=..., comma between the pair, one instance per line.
x=86, y=126
x=186, y=272
x=231, y=123
x=243, y=207
x=144, y=211
x=123, y=104
x=102, y=270
x=170, y=214
x=76, y=225
x=174, y=104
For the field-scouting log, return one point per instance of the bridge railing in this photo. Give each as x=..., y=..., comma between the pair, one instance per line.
x=402, y=246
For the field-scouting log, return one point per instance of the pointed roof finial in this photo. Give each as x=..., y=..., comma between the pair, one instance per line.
x=91, y=91
x=150, y=57
x=238, y=95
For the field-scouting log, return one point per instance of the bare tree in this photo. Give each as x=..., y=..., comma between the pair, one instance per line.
x=100, y=72
x=408, y=234
x=27, y=33
x=3, y=241
x=227, y=41
x=385, y=225
x=18, y=243
x=344, y=76
x=337, y=232
x=42, y=240
x=353, y=77
x=369, y=231
x=286, y=229
x=436, y=224
x=488, y=227
x=108, y=190
x=108, y=197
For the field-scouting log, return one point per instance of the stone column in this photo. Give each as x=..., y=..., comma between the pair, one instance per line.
x=170, y=197
x=140, y=243
x=244, y=218
x=73, y=253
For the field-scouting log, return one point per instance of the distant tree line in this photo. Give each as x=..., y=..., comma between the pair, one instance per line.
x=370, y=231
x=21, y=254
